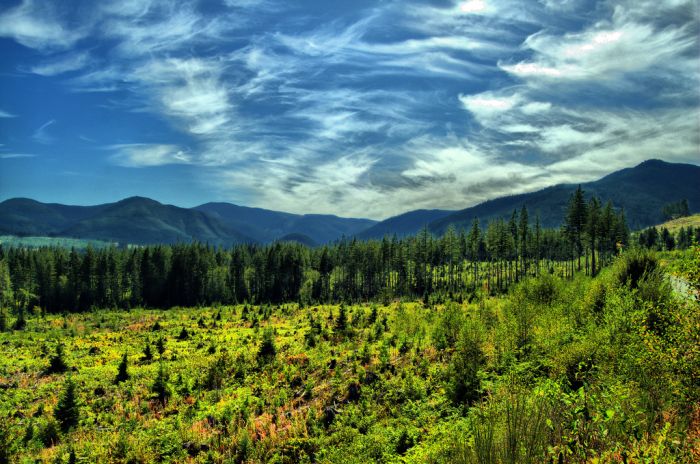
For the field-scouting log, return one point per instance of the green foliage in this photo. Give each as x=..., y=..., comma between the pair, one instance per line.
x=554, y=370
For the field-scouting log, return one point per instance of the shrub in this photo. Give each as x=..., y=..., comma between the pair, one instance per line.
x=463, y=382
x=634, y=265
x=49, y=433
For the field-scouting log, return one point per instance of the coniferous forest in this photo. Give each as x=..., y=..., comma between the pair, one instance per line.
x=504, y=343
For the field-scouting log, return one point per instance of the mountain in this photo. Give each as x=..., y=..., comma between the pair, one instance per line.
x=268, y=226
x=642, y=191
x=140, y=221
x=22, y=216
x=134, y=220
x=403, y=224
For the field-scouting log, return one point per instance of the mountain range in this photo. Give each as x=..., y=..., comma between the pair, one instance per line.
x=641, y=191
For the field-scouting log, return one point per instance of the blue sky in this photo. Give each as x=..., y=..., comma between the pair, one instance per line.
x=356, y=108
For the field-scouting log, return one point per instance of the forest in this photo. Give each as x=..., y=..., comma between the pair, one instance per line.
x=453, y=266
x=507, y=344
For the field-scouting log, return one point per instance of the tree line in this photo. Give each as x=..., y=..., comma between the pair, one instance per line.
x=661, y=239
x=455, y=265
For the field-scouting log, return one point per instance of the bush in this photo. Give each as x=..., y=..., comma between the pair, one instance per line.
x=633, y=266
x=463, y=382
x=49, y=433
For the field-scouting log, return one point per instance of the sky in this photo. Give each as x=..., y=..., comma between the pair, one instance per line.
x=356, y=108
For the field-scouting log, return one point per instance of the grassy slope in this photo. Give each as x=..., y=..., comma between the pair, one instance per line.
x=381, y=394
x=675, y=224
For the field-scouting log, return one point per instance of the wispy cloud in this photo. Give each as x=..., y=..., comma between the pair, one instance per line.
x=16, y=155
x=42, y=135
x=5, y=114
x=36, y=25
x=62, y=64
x=147, y=155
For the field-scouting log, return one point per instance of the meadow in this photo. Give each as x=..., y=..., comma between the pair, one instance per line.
x=589, y=369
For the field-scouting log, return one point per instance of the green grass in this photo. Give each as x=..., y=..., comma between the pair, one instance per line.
x=587, y=369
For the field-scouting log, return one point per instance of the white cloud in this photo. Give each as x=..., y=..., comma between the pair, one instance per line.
x=487, y=105
x=603, y=51
x=36, y=26
x=5, y=114
x=63, y=64
x=139, y=155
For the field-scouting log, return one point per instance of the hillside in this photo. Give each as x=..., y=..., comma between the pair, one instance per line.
x=404, y=224
x=142, y=220
x=268, y=226
x=134, y=220
x=642, y=192
x=675, y=224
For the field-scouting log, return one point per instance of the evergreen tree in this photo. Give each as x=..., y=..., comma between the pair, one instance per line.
x=341, y=322
x=57, y=362
x=122, y=370
x=67, y=410
x=3, y=320
x=147, y=353
x=575, y=222
x=160, y=386
x=524, y=234
x=593, y=230
x=267, y=350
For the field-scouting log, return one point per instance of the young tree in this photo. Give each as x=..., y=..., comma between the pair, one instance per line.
x=341, y=322
x=122, y=370
x=57, y=362
x=267, y=350
x=67, y=409
x=160, y=385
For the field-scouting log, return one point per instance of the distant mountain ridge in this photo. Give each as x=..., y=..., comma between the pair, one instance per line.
x=140, y=221
x=642, y=191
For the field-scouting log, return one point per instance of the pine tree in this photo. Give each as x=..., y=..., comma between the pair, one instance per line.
x=57, y=362
x=147, y=353
x=593, y=229
x=267, y=350
x=341, y=322
x=67, y=410
x=524, y=232
x=160, y=385
x=122, y=370
x=575, y=222
x=3, y=320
